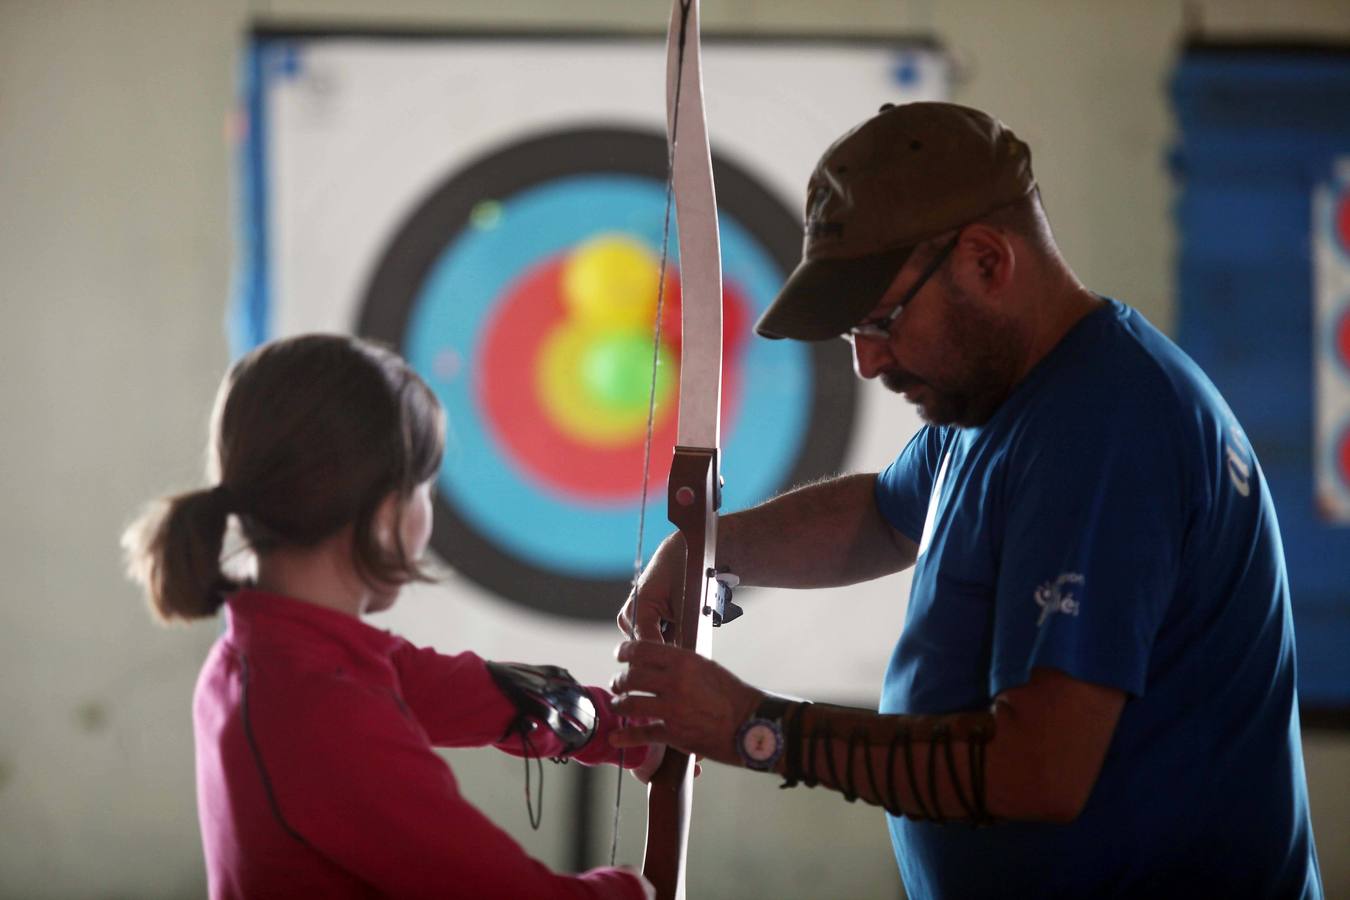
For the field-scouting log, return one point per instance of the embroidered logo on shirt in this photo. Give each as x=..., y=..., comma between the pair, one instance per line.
x=1239, y=460
x=1052, y=597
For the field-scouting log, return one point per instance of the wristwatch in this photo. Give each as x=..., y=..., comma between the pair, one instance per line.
x=759, y=740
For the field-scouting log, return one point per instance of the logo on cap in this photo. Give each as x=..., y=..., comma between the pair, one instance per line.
x=816, y=226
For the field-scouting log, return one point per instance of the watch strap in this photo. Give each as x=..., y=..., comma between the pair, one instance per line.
x=792, y=754
x=772, y=708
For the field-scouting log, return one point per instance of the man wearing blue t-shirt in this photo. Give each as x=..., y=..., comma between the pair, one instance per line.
x=1094, y=692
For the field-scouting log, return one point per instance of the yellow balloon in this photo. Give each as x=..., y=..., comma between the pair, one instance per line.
x=612, y=281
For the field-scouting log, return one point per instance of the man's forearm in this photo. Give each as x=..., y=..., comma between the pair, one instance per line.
x=923, y=767
x=822, y=535
x=1034, y=756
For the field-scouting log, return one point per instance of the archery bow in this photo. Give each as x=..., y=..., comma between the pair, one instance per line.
x=694, y=490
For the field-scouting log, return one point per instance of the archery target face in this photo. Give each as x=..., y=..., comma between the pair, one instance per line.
x=525, y=290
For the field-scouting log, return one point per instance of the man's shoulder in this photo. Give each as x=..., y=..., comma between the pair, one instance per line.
x=1124, y=372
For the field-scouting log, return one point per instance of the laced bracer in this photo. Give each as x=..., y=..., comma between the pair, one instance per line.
x=922, y=767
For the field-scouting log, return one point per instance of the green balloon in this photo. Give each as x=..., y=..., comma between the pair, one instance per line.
x=616, y=371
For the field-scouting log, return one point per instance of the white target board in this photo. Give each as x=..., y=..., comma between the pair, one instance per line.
x=473, y=200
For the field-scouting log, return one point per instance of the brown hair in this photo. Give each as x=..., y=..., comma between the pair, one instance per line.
x=1025, y=217
x=309, y=435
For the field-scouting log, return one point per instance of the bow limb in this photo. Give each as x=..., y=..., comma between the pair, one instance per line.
x=694, y=491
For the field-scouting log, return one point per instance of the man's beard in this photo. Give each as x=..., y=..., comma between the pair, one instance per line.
x=987, y=352
x=942, y=406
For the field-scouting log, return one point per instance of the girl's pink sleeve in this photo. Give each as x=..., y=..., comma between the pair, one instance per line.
x=399, y=821
x=459, y=705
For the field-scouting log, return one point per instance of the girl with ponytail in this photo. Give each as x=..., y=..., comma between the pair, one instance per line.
x=314, y=731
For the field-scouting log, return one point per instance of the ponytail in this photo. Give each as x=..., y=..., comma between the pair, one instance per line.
x=173, y=551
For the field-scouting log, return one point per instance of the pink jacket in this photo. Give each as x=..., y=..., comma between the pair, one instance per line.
x=316, y=775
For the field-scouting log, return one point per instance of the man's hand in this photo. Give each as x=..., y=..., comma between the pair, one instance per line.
x=692, y=702
x=652, y=602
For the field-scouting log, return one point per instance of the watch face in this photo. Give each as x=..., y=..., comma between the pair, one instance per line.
x=760, y=742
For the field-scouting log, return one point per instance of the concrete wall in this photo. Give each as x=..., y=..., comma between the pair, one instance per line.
x=114, y=262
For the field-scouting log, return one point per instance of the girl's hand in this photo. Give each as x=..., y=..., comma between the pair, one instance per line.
x=644, y=772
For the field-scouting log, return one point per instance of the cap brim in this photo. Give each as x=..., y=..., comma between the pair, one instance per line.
x=823, y=298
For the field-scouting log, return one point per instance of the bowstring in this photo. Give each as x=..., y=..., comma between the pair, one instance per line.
x=685, y=7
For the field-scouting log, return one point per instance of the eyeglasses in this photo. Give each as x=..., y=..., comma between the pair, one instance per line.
x=879, y=329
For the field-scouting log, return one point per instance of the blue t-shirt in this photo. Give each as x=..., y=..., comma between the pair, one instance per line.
x=1110, y=521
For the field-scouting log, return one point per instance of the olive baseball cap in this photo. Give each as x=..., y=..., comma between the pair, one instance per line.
x=905, y=176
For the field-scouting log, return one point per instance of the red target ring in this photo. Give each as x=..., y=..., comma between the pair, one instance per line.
x=1342, y=339
x=1342, y=222
x=1343, y=458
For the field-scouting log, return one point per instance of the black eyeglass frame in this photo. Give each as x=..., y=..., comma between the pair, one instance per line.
x=879, y=329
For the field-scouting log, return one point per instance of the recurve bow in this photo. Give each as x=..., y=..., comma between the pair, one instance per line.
x=694, y=491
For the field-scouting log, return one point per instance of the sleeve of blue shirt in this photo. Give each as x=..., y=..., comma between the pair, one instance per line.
x=1094, y=523
x=903, y=487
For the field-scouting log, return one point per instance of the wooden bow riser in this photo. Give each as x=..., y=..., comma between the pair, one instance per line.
x=692, y=510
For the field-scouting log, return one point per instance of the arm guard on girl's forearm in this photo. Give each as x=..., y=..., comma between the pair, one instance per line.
x=824, y=744
x=549, y=696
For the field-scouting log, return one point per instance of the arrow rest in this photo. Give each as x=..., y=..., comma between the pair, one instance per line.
x=722, y=609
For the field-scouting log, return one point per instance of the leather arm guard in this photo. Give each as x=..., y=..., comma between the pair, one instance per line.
x=824, y=742
x=550, y=696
